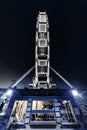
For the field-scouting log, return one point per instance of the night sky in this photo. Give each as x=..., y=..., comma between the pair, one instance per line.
x=68, y=38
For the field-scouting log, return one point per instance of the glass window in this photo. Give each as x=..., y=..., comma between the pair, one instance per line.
x=42, y=105
x=42, y=117
x=19, y=110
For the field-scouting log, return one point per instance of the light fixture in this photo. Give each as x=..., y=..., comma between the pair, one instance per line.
x=75, y=93
x=65, y=101
x=9, y=92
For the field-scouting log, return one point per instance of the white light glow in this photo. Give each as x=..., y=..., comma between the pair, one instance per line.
x=75, y=92
x=65, y=101
x=9, y=93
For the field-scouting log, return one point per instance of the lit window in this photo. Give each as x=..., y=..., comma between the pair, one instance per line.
x=42, y=105
x=19, y=110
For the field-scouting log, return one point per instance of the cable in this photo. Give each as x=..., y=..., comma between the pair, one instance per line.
x=23, y=76
x=64, y=80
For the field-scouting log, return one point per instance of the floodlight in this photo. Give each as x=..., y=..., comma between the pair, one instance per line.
x=9, y=92
x=75, y=93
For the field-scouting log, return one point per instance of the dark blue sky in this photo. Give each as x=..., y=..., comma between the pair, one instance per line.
x=68, y=38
